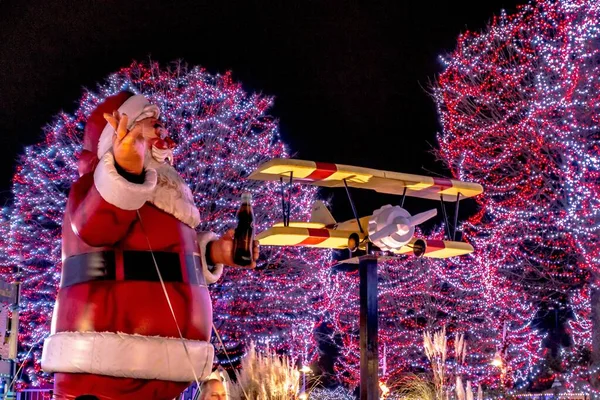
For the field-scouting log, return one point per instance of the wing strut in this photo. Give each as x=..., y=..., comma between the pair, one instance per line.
x=403, y=197
x=286, y=206
x=353, y=207
x=445, y=216
x=456, y=216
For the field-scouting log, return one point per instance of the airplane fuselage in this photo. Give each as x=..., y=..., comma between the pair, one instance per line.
x=352, y=226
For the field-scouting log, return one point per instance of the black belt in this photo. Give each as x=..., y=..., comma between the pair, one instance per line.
x=137, y=266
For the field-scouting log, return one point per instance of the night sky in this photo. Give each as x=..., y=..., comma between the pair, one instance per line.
x=349, y=78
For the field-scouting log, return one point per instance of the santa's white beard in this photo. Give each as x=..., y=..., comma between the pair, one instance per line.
x=172, y=194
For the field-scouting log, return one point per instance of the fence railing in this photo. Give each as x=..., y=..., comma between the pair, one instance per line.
x=34, y=394
x=189, y=393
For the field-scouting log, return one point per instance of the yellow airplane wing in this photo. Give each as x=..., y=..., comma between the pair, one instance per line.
x=439, y=248
x=333, y=175
x=298, y=234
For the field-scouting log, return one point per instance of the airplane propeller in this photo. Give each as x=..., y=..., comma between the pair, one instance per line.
x=392, y=227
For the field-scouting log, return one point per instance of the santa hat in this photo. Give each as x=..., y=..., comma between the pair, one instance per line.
x=98, y=133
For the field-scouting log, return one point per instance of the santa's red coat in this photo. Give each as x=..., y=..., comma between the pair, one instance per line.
x=113, y=332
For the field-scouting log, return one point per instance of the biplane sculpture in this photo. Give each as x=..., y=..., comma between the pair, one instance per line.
x=389, y=229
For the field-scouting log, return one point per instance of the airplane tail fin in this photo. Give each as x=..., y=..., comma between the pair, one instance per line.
x=321, y=214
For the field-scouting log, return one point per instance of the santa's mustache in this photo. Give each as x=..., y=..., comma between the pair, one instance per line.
x=157, y=157
x=162, y=155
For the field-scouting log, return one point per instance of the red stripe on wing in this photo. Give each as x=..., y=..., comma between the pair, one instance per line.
x=323, y=171
x=443, y=182
x=316, y=236
x=435, y=245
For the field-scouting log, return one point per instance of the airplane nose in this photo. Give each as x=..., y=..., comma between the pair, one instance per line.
x=392, y=227
x=402, y=226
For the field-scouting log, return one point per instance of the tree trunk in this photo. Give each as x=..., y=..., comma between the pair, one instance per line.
x=595, y=368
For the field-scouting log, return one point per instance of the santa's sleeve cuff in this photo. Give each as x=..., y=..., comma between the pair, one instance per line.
x=212, y=273
x=117, y=190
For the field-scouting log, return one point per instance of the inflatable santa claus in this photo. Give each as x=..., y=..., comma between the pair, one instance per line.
x=133, y=314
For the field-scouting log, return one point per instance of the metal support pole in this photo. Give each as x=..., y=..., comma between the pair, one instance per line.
x=369, y=358
x=9, y=391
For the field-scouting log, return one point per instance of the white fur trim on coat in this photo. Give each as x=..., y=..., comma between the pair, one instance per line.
x=126, y=356
x=137, y=108
x=173, y=196
x=117, y=190
x=215, y=274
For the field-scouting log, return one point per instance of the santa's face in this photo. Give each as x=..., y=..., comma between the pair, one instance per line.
x=158, y=143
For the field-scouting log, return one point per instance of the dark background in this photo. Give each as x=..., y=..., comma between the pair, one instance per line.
x=350, y=78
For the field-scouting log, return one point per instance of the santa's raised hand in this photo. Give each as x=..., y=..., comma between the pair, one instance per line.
x=129, y=146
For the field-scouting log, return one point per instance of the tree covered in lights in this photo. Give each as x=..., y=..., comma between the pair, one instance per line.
x=520, y=109
x=223, y=133
x=425, y=295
